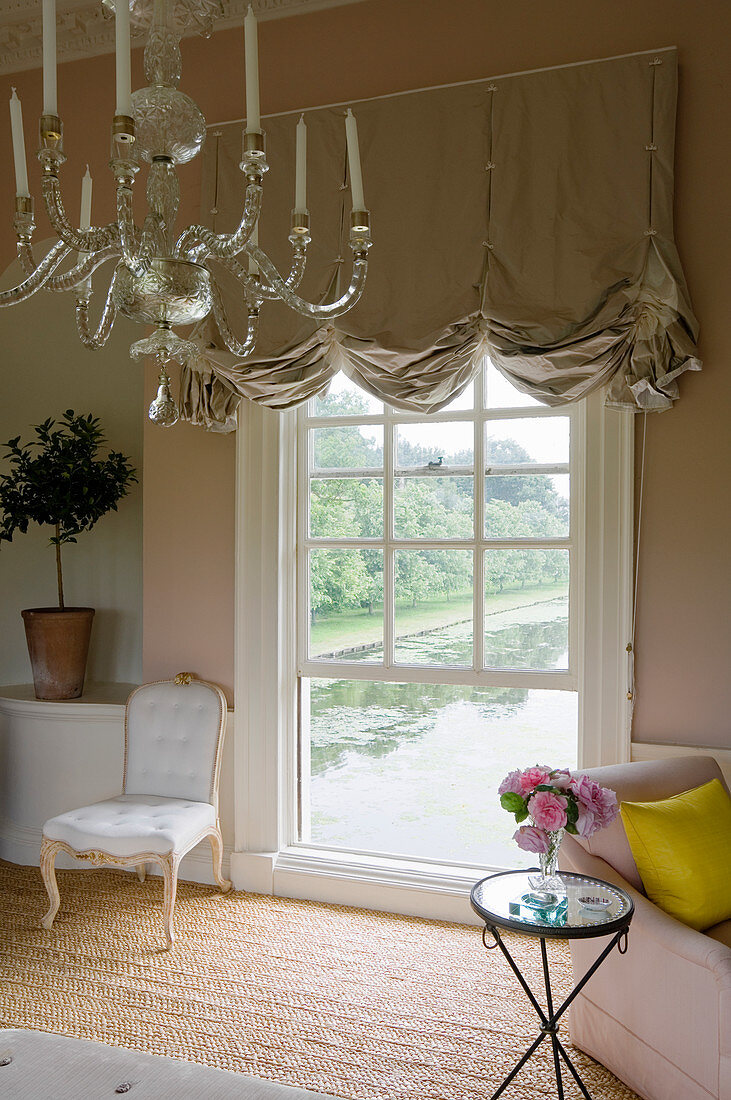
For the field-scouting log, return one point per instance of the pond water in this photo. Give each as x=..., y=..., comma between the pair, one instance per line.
x=413, y=769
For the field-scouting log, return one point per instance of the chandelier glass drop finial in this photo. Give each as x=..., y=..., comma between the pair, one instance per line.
x=163, y=410
x=159, y=278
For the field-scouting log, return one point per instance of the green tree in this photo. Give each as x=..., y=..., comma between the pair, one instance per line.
x=339, y=580
x=59, y=480
x=426, y=505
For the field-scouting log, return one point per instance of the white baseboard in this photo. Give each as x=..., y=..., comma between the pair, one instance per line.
x=647, y=750
x=360, y=882
x=253, y=871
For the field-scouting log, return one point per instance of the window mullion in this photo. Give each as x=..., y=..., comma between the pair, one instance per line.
x=302, y=553
x=577, y=447
x=479, y=510
x=388, y=551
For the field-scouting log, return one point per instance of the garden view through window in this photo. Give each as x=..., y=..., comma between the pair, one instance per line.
x=437, y=578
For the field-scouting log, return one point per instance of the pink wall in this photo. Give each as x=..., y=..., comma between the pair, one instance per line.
x=380, y=46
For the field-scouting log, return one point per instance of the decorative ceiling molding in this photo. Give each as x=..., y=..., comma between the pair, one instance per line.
x=84, y=29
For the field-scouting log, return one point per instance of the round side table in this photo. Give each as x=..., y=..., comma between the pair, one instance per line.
x=504, y=902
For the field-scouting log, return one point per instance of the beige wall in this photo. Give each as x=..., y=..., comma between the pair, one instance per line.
x=46, y=370
x=381, y=46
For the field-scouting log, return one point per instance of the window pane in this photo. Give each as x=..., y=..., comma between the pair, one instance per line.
x=433, y=590
x=448, y=444
x=413, y=769
x=537, y=439
x=354, y=446
x=433, y=507
x=526, y=506
x=502, y=394
x=346, y=604
x=346, y=507
x=526, y=609
x=344, y=398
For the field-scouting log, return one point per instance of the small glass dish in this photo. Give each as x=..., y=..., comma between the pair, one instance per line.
x=595, y=903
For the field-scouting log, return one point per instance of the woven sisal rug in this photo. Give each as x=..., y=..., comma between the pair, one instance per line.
x=345, y=1001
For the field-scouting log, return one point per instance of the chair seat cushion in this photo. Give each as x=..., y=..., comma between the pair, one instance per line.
x=133, y=824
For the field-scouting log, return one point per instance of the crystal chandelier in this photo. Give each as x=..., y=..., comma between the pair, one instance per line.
x=159, y=278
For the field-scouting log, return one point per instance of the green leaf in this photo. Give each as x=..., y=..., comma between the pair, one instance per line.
x=571, y=829
x=512, y=802
x=521, y=815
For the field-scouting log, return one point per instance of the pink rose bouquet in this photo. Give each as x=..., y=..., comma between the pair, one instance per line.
x=554, y=799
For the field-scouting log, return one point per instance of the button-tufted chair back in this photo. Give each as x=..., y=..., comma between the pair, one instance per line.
x=173, y=738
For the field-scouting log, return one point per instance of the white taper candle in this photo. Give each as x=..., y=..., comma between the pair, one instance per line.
x=251, y=51
x=86, y=189
x=300, y=179
x=356, y=177
x=50, y=100
x=21, y=168
x=124, y=58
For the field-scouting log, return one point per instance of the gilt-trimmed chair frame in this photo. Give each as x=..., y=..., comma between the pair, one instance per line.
x=169, y=863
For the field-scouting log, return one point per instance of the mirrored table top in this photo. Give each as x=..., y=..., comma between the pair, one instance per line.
x=586, y=907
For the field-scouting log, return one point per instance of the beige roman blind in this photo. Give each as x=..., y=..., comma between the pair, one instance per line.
x=526, y=217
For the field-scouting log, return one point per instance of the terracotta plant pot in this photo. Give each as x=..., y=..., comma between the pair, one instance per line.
x=58, y=645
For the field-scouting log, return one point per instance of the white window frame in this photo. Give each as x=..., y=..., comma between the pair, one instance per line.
x=267, y=857
x=391, y=670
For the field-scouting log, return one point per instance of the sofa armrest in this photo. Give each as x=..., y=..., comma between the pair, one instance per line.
x=660, y=1017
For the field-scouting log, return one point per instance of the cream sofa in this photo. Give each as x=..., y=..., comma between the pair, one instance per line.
x=658, y=1017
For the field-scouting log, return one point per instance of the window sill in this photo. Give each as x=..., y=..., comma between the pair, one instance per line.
x=429, y=890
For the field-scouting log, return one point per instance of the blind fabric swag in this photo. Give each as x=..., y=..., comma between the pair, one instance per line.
x=526, y=217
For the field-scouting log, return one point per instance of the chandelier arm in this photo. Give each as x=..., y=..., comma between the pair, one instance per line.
x=309, y=309
x=83, y=270
x=95, y=339
x=296, y=273
x=297, y=270
x=253, y=285
x=37, y=278
x=137, y=248
x=86, y=266
x=26, y=258
x=91, y=240
x=197, y=241
x=252, y=325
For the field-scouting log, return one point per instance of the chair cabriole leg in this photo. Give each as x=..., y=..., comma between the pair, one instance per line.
x=170, y=878
x=142, y=871
x=49, y=850
x=216, y=840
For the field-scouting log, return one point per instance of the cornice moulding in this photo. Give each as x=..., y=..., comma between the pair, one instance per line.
x=83, y=30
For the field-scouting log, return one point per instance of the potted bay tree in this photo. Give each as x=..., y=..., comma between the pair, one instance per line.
x=60, y=480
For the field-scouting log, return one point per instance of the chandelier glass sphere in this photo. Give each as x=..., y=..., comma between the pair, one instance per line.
x=162, y=277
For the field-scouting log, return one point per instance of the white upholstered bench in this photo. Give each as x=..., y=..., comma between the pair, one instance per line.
x=35, y=1065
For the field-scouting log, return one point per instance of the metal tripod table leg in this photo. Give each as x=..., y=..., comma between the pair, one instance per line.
x=549, y=1019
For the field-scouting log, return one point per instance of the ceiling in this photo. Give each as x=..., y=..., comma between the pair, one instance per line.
x=83, y=30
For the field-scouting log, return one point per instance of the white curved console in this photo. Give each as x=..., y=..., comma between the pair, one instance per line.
x=56, y=756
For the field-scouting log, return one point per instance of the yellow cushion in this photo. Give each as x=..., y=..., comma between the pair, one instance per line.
x=682, y=848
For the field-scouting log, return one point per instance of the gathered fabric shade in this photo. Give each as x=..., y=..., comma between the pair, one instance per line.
x=528, y=218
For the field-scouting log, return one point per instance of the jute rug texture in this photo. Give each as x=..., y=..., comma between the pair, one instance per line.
x=365, y=1005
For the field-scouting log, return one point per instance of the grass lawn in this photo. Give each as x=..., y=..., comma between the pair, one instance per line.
x=352, y=628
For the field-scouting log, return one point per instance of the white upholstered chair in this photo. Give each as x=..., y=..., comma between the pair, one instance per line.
x=173, y=736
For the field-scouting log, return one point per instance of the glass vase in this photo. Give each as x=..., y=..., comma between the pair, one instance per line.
x=547, y=881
